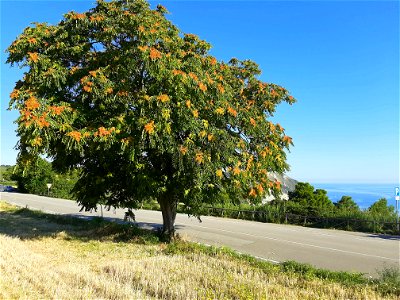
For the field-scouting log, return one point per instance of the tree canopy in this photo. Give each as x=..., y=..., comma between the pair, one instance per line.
x=145, y=111
x=309, y=200
x=347, y=203
x=381, y=207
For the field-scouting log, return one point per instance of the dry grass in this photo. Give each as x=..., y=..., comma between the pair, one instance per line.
x=40, y=259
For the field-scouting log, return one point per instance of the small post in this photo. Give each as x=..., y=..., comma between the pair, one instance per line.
x=397, y=193
x=48, y=188
x=397, y=217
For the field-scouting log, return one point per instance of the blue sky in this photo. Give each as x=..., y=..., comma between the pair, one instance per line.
x=340, y=59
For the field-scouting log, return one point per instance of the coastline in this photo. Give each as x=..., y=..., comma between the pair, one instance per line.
x=364, y=194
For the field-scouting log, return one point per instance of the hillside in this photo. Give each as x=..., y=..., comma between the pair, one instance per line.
x=288, y=185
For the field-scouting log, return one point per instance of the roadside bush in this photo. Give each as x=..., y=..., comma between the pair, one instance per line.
x=38, y=174
x=309, y=201
x=381, y=209
x=34, y=178
x=389, y=281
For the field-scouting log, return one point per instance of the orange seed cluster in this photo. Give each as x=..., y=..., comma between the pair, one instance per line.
x=163, y=98
x=232, y=111
x=57, y=110
x=220, y=111
x=33, y=56
x=178, y=72
x=202, y=87
x=123, y=93
x=14, y=94
x=32, y=41
x=78, y=16
x=236, y=171
x=87, y=88
x=149, y=127
x=193, y=76
x=76, y=135
x=37, y=141
x=41, y=121
x=287, y=139
x=96, y=18
x=102, y=131
x=183, y=149
x=93, y=73
x=143, y=48
x=154, y=53
x=199, y=158
x=252, y=193
x=32, y=103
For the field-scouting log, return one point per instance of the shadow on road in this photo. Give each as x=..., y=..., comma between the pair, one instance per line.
x=27, y=225
x=384, y=236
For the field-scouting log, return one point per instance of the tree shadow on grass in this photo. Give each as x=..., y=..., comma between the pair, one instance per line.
x=28, y=225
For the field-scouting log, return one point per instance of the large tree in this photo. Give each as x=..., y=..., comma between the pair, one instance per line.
x=145, y=111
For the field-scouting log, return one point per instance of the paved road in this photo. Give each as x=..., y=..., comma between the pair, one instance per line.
x=331, y=249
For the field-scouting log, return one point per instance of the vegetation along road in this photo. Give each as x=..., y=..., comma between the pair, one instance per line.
x=335, y=250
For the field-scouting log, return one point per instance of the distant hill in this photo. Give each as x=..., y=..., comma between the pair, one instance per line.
x=4, y=168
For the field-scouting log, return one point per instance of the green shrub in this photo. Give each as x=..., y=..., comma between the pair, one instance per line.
x=389, y=281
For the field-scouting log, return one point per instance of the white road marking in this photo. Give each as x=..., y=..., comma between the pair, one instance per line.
x=298, y=243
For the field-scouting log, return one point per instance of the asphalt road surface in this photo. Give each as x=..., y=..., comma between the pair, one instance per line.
x=330, y=249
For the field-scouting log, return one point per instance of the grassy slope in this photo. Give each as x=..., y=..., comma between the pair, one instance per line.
x=46, y=256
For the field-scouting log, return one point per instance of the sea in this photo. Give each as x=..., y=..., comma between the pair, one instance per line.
x=363, y=194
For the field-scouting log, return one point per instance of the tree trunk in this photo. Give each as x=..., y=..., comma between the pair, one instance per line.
x=168, y=208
